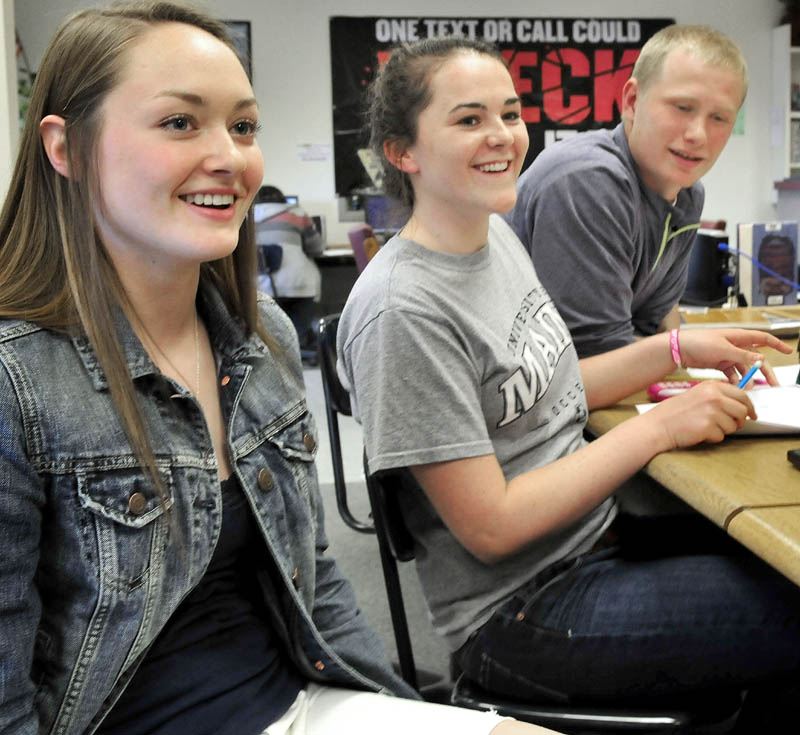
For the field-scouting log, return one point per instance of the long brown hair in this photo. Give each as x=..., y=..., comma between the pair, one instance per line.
x=54, y=269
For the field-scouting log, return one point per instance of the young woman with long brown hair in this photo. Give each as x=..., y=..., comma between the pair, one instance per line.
x=162, y=552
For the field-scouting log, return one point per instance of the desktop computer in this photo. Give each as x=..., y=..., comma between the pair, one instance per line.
x=712, y=271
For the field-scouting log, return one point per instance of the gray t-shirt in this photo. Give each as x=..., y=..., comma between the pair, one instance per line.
x=453, y=356
x=595, y=233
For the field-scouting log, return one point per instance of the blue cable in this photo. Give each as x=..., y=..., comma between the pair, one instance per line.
x=725, y=246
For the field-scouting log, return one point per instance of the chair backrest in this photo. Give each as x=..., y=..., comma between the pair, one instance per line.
x=335, y=392
x=359, y=235
x=337, y=401
x=395, y=543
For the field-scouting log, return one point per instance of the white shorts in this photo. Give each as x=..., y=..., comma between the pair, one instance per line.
x=321, y=710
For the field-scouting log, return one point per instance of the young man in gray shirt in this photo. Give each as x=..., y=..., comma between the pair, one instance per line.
x=610, y=216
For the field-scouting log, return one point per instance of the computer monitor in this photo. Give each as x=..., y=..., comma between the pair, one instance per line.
x=292, y=198
x=711, y=271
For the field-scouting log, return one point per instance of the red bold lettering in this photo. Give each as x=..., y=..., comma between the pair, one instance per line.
x=516, y=62
x=556, y=105
x=609, y=81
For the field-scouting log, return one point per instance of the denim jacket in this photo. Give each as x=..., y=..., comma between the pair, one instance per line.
x=93, y=563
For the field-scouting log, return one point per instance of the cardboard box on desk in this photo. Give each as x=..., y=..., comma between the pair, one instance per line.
x=774, y=246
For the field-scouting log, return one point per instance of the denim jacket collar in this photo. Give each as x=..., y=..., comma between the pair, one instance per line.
x=226, y=332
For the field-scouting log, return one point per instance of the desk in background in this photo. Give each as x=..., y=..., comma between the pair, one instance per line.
x=744, y=485
x=769, y=318
x=338, y=270
x=336, y=254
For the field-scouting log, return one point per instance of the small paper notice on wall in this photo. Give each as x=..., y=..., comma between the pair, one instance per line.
x=313, y=152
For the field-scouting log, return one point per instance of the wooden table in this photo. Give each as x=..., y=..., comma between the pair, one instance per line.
x=773, y=534
x=744, y=485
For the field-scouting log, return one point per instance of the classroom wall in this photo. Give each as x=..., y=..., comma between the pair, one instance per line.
x=291, y=61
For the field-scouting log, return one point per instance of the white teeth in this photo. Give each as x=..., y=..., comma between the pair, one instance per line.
x=493, y=167
x=207, y=200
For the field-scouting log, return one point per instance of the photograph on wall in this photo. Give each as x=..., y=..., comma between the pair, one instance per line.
x=569, y=73
x=239, y=31
x=25, y=77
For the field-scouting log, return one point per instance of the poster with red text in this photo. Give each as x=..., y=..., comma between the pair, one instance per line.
x=569, y=72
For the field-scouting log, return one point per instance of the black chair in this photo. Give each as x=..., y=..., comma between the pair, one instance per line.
x=701, y=713
x=337, y=401
x=394, y=544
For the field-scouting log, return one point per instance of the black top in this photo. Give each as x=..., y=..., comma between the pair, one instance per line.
x=216, y=667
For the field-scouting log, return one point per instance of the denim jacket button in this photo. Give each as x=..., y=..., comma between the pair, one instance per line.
x=319, y=666
x=265, y=480
x=309, y=442
x=137, y=504
x=225, y=380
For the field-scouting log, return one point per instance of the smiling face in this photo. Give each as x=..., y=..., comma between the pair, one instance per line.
x=178, y=163
x=678, y=126
x=471, y=141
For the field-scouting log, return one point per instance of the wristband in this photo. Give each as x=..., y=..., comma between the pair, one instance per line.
x=675, y=348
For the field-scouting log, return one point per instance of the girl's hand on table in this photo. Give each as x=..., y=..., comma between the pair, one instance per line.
x=708, y=412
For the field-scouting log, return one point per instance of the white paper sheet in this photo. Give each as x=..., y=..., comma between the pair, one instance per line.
x=778, y=410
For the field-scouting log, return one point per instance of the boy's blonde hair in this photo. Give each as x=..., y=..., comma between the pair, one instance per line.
x=708, y=44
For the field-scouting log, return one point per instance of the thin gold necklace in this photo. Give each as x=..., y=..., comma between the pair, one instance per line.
x=196, y=391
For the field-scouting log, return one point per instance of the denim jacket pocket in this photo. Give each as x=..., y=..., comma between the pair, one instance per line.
x=124, y=496
x=297, y=440
x=130, y=524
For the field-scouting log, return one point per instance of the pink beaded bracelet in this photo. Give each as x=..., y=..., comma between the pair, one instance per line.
x=675, y=347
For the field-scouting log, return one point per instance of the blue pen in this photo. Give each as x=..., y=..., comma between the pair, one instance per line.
x=749, y=374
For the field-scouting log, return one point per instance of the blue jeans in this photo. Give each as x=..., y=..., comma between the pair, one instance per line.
x=639, y=621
